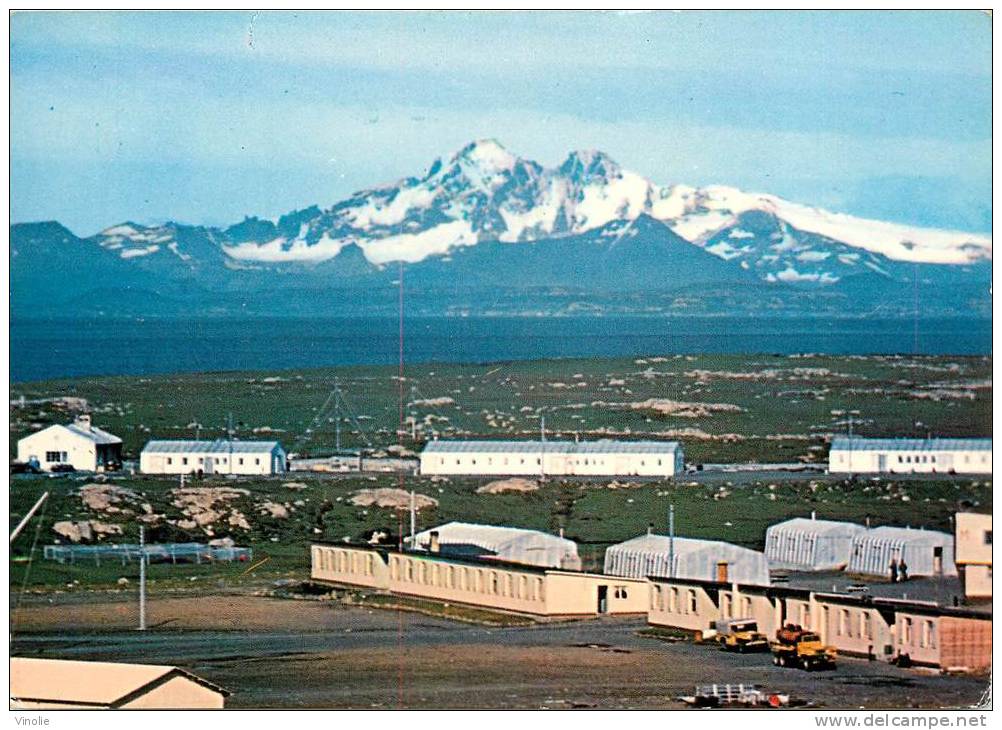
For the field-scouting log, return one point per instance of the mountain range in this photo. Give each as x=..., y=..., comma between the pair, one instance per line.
x=487, y=232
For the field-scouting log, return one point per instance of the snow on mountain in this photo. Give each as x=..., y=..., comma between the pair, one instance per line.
x=486, y=193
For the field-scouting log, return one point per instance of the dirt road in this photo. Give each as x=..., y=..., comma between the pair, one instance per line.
x=283, y=653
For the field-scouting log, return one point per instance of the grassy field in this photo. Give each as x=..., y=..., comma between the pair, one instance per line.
x=726, y=408
x=768, y=408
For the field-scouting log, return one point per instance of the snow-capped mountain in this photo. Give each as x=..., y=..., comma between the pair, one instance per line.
x=487, y=216
x=485, y=193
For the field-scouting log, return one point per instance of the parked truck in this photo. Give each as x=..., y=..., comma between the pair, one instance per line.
x=741, y=635
x=802, y=649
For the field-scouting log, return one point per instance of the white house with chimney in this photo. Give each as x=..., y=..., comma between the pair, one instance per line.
x=80, y=445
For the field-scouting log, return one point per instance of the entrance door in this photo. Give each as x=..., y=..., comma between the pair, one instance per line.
x=882, y=462
x=603, y=599
x=209, y=465
x=937, y=560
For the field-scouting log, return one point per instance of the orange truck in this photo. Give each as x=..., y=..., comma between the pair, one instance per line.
x=801, y=649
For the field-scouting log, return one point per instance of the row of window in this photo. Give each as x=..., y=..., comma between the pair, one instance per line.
x=56, y=457
x=659, y=603
x=476, y=580
x=342, y=561
x=927, y=637
x=219, y=460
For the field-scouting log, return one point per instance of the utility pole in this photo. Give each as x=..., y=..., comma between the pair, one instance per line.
x=142, y=578
x=31, y=513
x=542, y=448
x=671, y=540
x=337, y=417
x=413, y=518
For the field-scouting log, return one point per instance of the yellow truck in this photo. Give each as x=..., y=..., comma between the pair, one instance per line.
x=741, y=635
x=802, y=649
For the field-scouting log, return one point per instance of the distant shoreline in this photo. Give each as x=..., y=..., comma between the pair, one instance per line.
x=59, y=348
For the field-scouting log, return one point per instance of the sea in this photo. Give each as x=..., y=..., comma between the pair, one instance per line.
x=43, y=349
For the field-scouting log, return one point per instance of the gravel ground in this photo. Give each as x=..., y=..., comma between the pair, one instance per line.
x=284, y=653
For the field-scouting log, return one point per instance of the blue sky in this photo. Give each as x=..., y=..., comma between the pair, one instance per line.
x=206, y=118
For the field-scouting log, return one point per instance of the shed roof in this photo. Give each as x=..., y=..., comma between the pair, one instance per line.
x=87, y=683
x=219, y=446
x=603, y=446
x=857, y=443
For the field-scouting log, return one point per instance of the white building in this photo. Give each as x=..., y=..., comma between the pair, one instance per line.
x=222, y=456
x=974, y=553
x=810, y=544
x=648, y=555
x=79, y=444
x=604, y=458
x=855, y=455
x=509, y=544
x=925, y=552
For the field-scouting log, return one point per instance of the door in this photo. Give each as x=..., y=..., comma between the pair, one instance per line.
x=882, y=462
x=209, y=466
x=603, y=599
x=937, y=560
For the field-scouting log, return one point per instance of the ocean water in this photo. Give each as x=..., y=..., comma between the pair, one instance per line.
x=53, y=348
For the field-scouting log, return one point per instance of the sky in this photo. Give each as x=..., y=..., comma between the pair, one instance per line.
x=206, y=118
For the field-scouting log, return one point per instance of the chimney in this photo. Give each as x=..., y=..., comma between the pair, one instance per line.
x=561, y=532
x=814, y=515
x=722, y=571
x=83, y=421
x=650, y=529
x=433, y=546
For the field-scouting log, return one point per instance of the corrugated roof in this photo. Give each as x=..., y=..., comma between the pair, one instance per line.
x=806, y=524
x=857, y=443
x=605, y=446
x=87, y=683
x=507, y=543
x=219, y=446
x=904, y=534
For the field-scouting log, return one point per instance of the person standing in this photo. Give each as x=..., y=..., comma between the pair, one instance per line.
x=903, y=569
x=894, y=570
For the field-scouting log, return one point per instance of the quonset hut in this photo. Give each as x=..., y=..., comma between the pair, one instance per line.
x=854, y=455
x=604, y=458
x=508, y=544
x=712, y=560
x=810, y=544
x=925, y=552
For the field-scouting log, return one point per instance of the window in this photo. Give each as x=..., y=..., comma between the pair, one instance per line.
x=673, y=600
x=865, y=628
x=494, y=583
x=410, y=571
x=988, y=537
x=441, y=461
x=746, y=606
x=170, y=460
x=901, y=459
x=656, y=598
x=53, y=457
x=523, y=587
x=537, y=589
x=394, y=569
x=368, y=565
x=692, y=601
x=184, y=460
x=906, y=631
x=241, y=460
x=928, y=634
x=200, y=460
x=257, y=461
